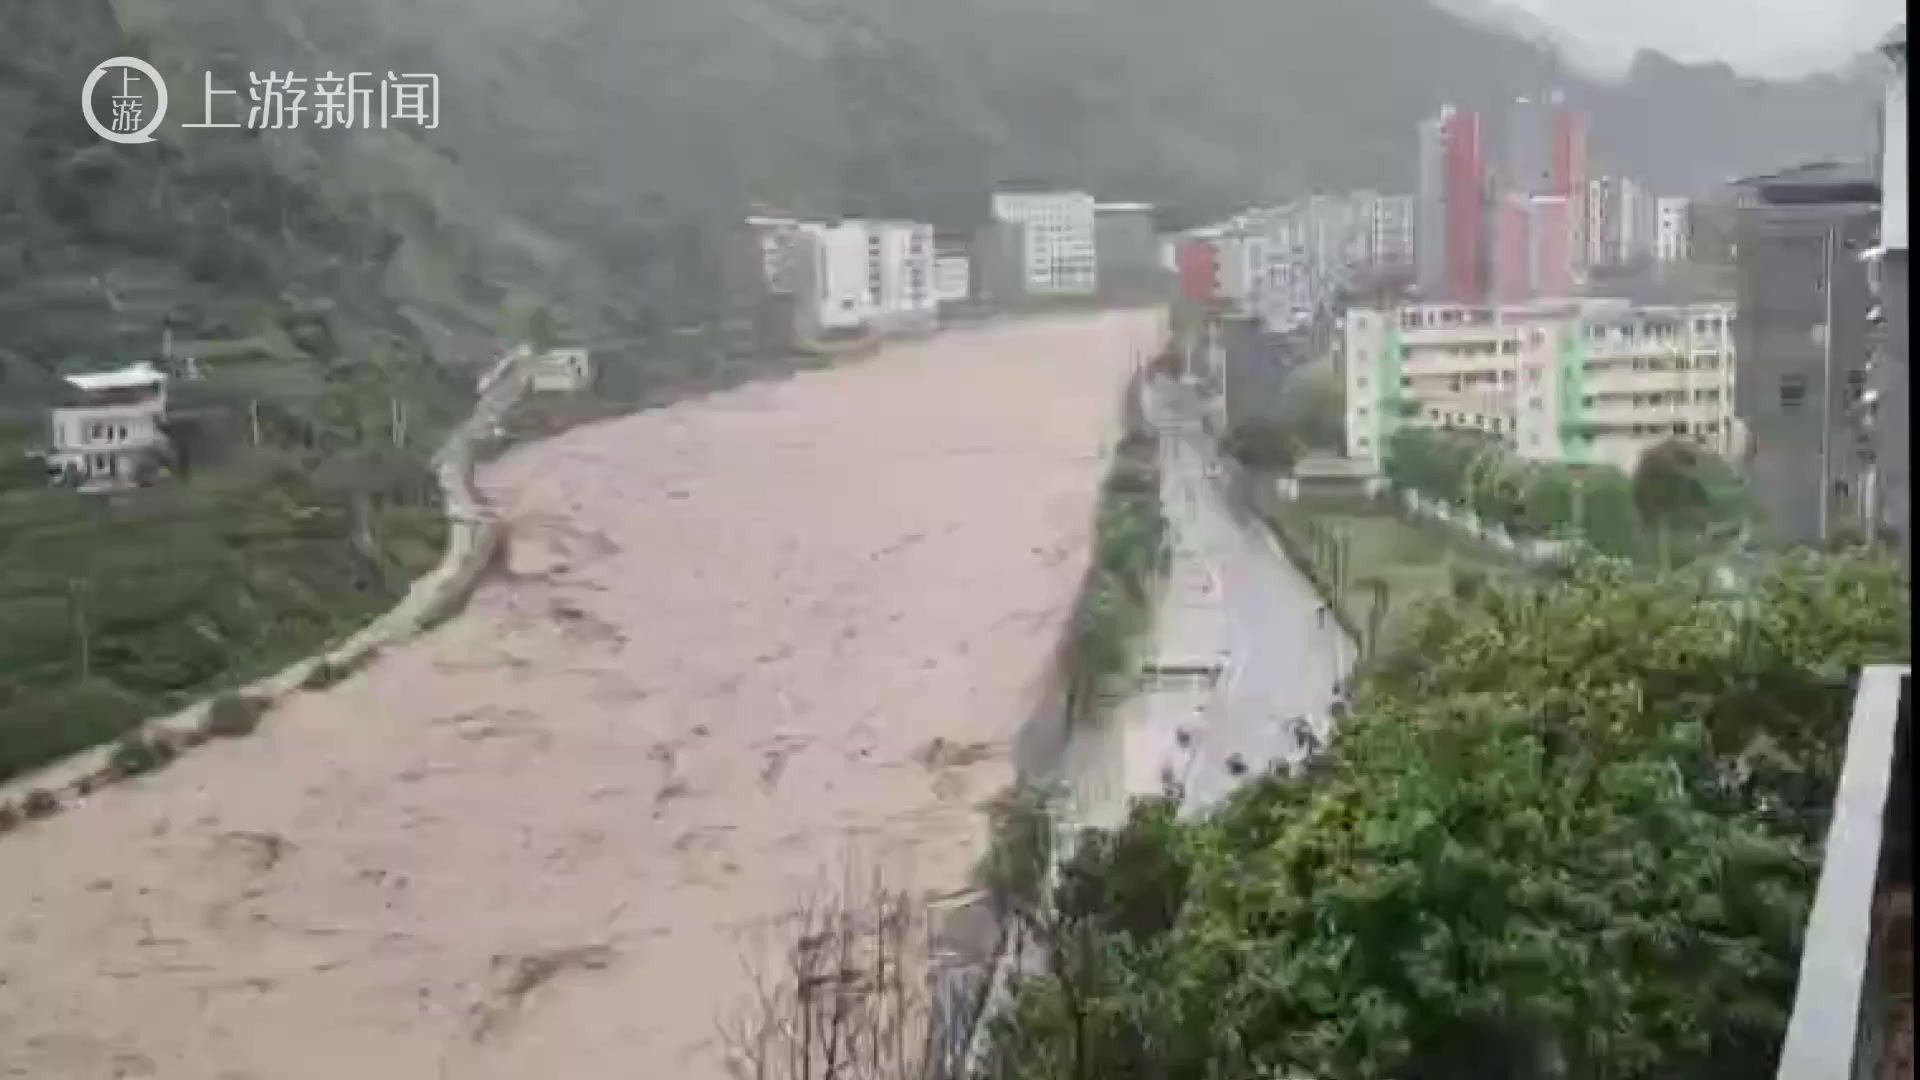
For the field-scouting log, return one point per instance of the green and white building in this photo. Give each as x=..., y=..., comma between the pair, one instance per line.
x=1587, y=381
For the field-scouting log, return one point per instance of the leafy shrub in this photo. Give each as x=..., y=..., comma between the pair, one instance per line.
x=232, y=716
x=323, y=675
x=39, y=803
x=137, y=754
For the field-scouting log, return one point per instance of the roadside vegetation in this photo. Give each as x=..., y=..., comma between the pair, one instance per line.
x=1569, y=829
x=1115, y=606
x=1682, y=502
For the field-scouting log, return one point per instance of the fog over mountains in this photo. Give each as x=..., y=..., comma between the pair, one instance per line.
x=589, y=148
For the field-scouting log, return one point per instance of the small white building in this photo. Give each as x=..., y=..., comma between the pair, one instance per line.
x=1671, y=229
x=562, y=371
x=110, y=431
x=1060, y=231
x=838, y=293
x=900, y=269
x=952, y=277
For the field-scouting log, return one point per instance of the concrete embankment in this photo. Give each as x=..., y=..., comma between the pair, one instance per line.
x=472, y=539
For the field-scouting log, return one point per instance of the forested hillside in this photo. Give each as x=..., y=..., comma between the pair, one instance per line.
x=590, y=147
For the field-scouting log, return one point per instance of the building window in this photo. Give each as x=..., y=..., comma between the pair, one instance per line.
x=1793, y=391
x=1856, y=383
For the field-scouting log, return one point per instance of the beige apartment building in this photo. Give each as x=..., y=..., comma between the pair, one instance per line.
x=1586, y=381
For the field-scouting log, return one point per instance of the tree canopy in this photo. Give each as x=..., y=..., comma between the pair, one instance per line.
x=1572, y=831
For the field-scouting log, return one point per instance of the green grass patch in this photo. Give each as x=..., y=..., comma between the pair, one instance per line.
x=1349, y=545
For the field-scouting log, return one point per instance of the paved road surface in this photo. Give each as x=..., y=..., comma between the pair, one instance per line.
x=1284, y=658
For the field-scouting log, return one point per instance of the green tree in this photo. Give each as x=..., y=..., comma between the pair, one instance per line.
x=1575, y=834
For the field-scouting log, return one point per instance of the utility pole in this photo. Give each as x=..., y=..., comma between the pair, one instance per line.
x=1826, y=392
x=253, y=419
x=77, y=591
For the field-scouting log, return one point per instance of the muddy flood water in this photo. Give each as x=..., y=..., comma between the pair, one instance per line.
x=736, y=640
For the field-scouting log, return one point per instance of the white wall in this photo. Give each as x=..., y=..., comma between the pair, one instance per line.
x=952, y=278
x=1060, y=232
x=840, y=275
x=1893, y=168
x=1671, y=229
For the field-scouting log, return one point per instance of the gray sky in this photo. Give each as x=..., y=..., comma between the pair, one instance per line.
x=1761, y=37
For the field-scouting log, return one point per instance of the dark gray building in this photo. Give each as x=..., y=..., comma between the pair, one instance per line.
x=1257, y=364
x=999, y=265
x=1126, y=249
x=1802, y=340
x=1892, y=410
x=1430, y=208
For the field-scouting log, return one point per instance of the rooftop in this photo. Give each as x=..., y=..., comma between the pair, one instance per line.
x=1818, y=181
x=127, y=378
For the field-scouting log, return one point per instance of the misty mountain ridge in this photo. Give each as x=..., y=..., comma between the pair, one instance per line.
x=590, y=151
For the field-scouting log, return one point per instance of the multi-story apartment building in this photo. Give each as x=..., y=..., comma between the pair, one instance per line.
x=1672, y=229
x=856, y=275
x=1430, y=206
x=1567, y=181
x=1805, y=303
x=1465, y=196
x=1620, y=221
x=952, y=273
x=836, y=291
x=1386, y=230
x=900, y=264
x=1127, y=250
x=1576, y=381
x=1892, y=410
x=1552, y=268
x=109, y=430
x=1059, y=231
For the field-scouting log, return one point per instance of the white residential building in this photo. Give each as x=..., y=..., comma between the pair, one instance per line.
x=1059, y=226
x=111, y=428
x=900, y=274
x=1672, y=229
x=1584, y=381
x=952, y=277
x=839, y=292
x=562, y=371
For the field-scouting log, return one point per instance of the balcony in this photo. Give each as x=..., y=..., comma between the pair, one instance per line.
x=1853, y=1008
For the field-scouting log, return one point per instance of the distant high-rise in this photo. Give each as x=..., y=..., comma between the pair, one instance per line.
x=1551, y=235
x=1528, y=168
x=1430, y=207
x=1510, y=264
x=1465, y=197
x=1567, y=179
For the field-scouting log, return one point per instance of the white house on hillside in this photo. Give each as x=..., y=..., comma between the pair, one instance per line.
x=563, y=371
x=109, y=431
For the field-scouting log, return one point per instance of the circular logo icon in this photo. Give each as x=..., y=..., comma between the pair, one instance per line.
x=128, y=123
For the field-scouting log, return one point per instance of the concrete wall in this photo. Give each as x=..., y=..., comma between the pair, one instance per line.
x=1895, y=409
x=1783, y=391
x=1257, y=365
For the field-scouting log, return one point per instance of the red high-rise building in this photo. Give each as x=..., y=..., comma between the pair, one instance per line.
x=1199, y=263
x=1465, y=195
x=1512, y=252
x=1568, y=180
x=1552, y=256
